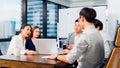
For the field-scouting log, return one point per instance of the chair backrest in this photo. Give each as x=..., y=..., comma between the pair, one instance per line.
x=0, y=52
x=114, y=59
x=117, y=39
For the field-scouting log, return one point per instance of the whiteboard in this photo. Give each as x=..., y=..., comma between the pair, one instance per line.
x=68, y=16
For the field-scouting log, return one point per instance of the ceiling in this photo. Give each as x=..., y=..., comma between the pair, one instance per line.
x=82, y=0
x=77, y=3
x=78, y=0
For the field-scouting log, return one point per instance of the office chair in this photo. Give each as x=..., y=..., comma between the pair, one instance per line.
x=116, y=51
x=17, y=32
x=114, y=58
x=0, y=52
x=117, y=41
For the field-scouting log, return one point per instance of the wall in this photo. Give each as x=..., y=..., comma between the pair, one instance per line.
x=113, y=16
x=88, y=3
x=68, y=16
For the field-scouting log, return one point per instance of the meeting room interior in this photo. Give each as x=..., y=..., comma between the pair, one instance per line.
x=59, y=34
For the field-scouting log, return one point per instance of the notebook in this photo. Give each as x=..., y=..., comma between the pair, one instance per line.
x=46, y=46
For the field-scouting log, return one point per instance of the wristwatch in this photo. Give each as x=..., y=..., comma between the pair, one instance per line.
x=56, y=57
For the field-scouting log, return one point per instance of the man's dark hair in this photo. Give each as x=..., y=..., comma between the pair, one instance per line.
x=88, y=13
x=98, y=23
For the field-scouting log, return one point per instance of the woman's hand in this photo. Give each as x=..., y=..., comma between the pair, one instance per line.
x=52, y=57
x=29, y=52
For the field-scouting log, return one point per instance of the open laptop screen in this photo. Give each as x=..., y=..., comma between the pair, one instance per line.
x=46, y=46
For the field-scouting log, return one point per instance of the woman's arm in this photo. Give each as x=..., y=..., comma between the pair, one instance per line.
x=12, y=46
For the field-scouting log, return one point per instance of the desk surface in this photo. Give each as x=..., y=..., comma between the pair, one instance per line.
x=30, y=61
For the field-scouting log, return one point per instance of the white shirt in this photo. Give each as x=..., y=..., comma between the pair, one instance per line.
x=16, y=43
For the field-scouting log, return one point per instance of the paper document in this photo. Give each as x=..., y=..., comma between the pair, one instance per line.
x=45, y=57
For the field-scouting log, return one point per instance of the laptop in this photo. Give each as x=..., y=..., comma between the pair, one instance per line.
x=46, y=46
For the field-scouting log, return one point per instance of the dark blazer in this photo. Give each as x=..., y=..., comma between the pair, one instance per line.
x=29, y=45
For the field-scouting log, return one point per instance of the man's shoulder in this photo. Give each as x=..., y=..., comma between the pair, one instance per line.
x=71, y=34
x=90, y=32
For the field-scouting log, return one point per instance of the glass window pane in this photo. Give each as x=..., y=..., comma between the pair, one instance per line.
x=10, y=17
x=35, y=13
x=4, y=47
x=52, y=19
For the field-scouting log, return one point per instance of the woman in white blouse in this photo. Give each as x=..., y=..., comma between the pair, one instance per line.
x=18, y=41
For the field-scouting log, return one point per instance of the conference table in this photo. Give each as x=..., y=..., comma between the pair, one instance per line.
x=29, y=61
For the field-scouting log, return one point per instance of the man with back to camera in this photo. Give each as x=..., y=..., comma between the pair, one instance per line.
x=108, y=44
x=72, y=37
x=89, y=50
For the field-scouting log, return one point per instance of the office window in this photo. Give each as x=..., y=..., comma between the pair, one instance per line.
x=10, y=17
x=52, y=19
x=4, y=47
x=35, y=13
x=10, y=21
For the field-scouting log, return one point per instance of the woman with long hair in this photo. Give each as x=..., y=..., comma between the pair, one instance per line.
x=18, y=41
x=30, y=41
